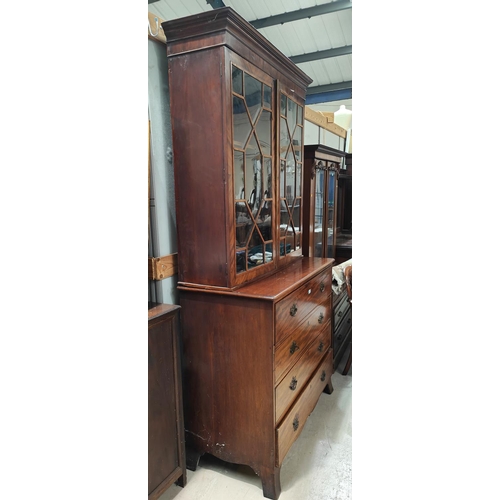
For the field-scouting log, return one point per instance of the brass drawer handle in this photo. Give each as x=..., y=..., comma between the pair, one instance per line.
x=320, y=347
x=295, y=423
x=321, y=318
x=322, y=287
x=294, y=347
x=293, y=310
x=323, y=376
x=293, y=384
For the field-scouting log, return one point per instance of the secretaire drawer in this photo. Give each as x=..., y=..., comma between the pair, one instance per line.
x=292, y=310
x=295, y=380
x=294, y=345
x=292, y=425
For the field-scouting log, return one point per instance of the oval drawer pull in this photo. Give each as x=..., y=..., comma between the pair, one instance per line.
x=293, y=310
x=295, y=423
x=323, y=376
x=340, y=313
x=322, y=287
x=321, y=318
x=320, y=347
x=294, y=347
x=293, y=384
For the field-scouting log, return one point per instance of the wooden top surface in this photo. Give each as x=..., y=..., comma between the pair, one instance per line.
x=160, y=309
x=277, y=285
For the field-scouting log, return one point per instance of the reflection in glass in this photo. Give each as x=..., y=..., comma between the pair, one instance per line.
x=239, y=176
x=298, y=179
x=244, y=224
x=253, y=175
x=291, y=114
x=297, y=143
x=237, y=80
x=283, y=105
x=241, y=123
x=267, y=96
x=290, y=182
x=299, y=114
x=264, y=132
x=284, y=138
x=253, y=96
x=268, y=177
x=296, y=216
x=318, y=214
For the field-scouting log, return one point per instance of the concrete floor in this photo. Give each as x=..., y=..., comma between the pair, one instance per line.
x=317, y=467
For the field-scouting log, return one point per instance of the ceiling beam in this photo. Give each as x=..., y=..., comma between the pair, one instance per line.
x=216, y=4
x=322, y=54
x=334, y=95
x=295, y=15
x=329, y=92
x=329, y=87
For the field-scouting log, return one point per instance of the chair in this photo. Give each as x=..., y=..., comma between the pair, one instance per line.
x=348, y=282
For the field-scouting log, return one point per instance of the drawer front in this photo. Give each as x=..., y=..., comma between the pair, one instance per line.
x=295, y=380
x=294, y=345
x=292, y=310
x=340, y=312
x=342, y=332
x=292, y=425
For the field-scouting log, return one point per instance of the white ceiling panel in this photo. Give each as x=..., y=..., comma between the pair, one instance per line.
x=293, y=38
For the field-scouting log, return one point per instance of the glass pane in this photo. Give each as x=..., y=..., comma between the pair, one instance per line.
x=284, y=218
x=297, y=143
x=253, y=175
x=268, y=178
x=239, y=176
x=282, y=178
x=283, y=105
x=284, y=138
x=241, y=123
x=264, y=220
x=318, y=213
x=300, y=118
x=241, y=258
x=237, y=80
x=298, y=179
x=255, y=250
x=267, y=96
x=290, y=178
x=291, y=114
x=244, y=224
x=331, y=204
x=253, y=96
x=296, y=216
x=264, y=132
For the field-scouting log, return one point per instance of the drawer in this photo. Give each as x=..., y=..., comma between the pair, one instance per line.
x=340, y=312
x=289, y=430
x=292, y=348
x=295, y=380
x=342, y=331
x=294, y=308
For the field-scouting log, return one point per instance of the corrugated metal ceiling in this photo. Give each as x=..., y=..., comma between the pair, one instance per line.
x=306, y=37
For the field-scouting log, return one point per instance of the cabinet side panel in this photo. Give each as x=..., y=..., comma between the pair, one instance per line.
x=199, y=165
x=229, y=377
x=162, y=441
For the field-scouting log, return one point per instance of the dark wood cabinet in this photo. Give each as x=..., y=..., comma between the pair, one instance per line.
x=342, y=326
x=322, y=166
x=344, y=213
x=255, y=313
x=166, y=450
